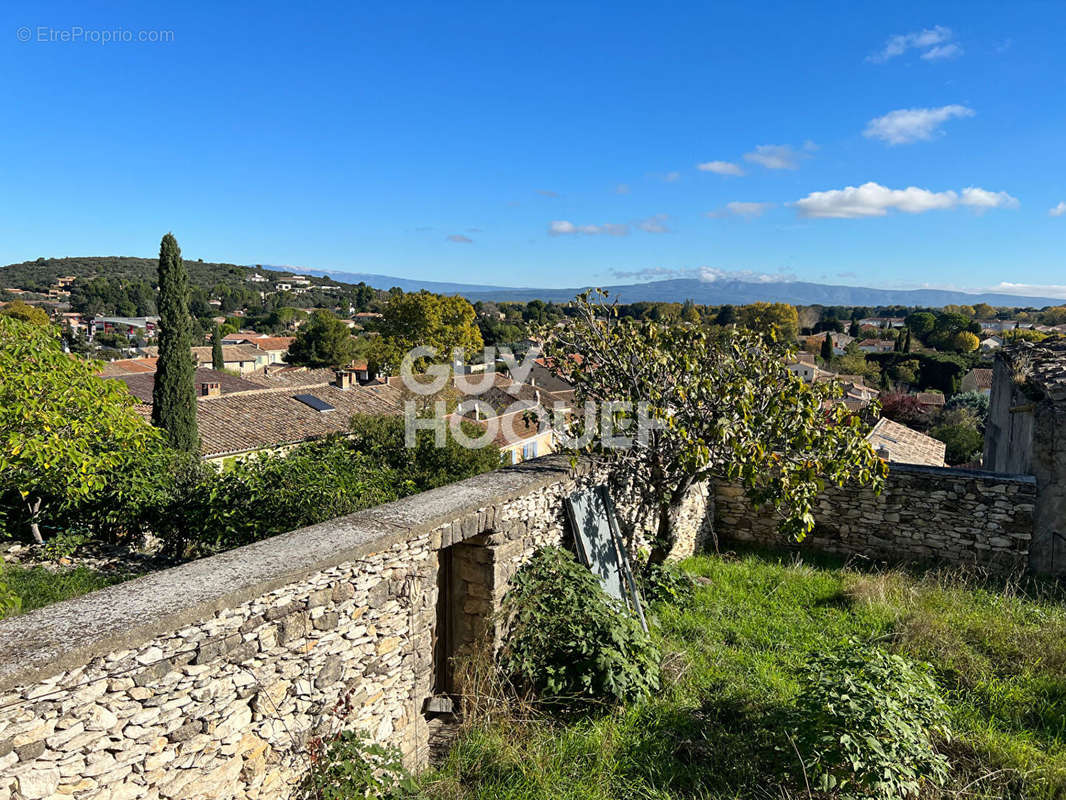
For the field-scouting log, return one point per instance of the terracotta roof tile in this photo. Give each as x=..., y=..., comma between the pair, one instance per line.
x=904, y=445
x=267, y=418
x=931, y=398
x=128, y=366
x=142, y=384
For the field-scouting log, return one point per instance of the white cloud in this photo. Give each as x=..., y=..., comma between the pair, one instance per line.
x=547, y=193
x=907, y=125
x=741, y=209
x=711, y=274
x=981, y=199
x=943, y=52
x=721, y=168
x=562, y=227
x=1058, y=210
x=622, y=188
x=655, y=224
x=776, y=156
x=705, y=274
x=648, y=273
x=933, y=43
x=1030, y=289
x=460, y=239
x=874, y=200
x=670, y=177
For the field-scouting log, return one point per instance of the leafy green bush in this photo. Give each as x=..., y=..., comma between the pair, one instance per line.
x=350, y=766
x=666, y=583
x=867, y=723
x=200, y=510
x=963, y=442
x=10, y=602
x=568, y=642
x=266, y=495
x=382, y=439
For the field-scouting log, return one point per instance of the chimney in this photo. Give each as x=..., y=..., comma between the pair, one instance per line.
x=210, y=389
x=344, y=379
x=883, y=454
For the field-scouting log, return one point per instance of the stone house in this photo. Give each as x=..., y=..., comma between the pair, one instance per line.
x=977, y=380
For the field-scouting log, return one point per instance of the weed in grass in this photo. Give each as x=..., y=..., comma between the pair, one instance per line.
x=37, y=586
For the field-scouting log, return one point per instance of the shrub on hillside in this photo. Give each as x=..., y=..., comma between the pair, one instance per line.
x=201, y=510
x=207, y=511
x=351, y=766
x=567, y=642
x=383, y=439
x=10, y=603
x=867, y=724
x=963, y=442
x=666, y=583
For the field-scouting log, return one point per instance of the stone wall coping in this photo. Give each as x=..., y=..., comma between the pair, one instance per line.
x=42, y=643
x=969, y=474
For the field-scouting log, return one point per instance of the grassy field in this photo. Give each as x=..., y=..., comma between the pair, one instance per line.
x=719, y=728
x=38, y=587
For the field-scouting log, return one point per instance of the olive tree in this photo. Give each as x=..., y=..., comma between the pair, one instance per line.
x=703, y=404
x=63, y=430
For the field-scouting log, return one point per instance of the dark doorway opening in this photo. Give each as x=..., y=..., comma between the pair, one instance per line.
x=444, y=633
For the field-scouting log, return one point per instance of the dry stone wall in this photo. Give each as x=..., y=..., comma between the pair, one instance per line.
x=208, y=680
x=926, y=514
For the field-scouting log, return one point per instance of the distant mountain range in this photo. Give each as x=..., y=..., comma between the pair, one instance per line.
x=716, y=292
x=43, y=272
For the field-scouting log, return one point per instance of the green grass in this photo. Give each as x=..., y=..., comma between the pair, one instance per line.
x=719, y=728
x=37, y=586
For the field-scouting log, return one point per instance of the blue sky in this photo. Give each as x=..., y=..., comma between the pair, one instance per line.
x=546, y=144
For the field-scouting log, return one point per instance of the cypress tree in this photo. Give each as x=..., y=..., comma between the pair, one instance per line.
x=174, y=396
x=217, y=361
x=907, y=344
x=827, y=348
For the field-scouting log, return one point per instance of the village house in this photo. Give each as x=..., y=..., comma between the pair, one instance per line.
x=237, y=424
x=899, y=444
x=274, y=346
x=1004, y=325
x=977, y=380
x=930, y=401
x=877, y=345
x=129, y=366
x=207, y=383
x=129, y=326
x=804, y=368
x=881, y=322
x=813, y=342
x=241, y=358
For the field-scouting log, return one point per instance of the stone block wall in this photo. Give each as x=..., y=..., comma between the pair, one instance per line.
x=927, y=514
x=208, y=680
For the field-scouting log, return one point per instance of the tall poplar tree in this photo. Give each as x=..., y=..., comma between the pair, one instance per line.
x=174, y=396
x=217, y=361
